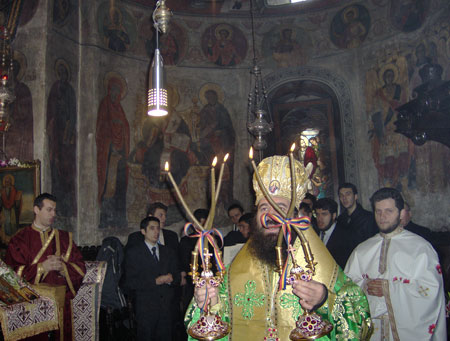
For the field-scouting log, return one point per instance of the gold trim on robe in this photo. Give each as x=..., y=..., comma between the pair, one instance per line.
x=256, y=305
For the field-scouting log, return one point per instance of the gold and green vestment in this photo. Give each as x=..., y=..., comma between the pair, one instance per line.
x=249, y=300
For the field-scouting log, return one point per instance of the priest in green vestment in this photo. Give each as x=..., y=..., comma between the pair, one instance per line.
x=249, y=297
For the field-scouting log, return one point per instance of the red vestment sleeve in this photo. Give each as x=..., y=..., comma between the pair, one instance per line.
x=19, y=252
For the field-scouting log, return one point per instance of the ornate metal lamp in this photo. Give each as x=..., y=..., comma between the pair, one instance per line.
x=157, y=94
x=6, y=79
x=259, y=123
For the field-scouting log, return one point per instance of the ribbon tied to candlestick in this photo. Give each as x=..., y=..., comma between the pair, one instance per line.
x=270, y=221
x=205, y=237
x=209, y=235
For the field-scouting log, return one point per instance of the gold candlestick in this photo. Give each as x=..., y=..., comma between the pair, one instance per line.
x=210, y=219
x=210, y=326
x=180, y=197
x=219, y=183
x=293, y=182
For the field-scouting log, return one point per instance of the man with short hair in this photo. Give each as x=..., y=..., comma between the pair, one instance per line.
x=42, y=254
x=248, y=297
x=310, y=200
x=358, y=222
x=242, y=235
x=244, y=224
x=235, y=211
x=304, y=210
x=436, y=238
x=401, y=275
x=151, y=274
x=413, y=227
x=167, y=237
x=333, y=236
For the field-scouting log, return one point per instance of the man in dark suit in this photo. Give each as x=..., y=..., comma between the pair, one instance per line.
x=359, y=222
x=333, y=235
x=167, y=237
x=151, y=272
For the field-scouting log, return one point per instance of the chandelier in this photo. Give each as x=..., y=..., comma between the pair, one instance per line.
x=157, y=93
x=259, y=122
x=6, y=78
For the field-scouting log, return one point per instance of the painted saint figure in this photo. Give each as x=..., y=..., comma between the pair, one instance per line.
x=19, y=139
x=223, y=52
x=62, y=138
x=287, y=51
x=10, y=205
x=216, y=133
x=115, y=33
x=391, y=151
x=113, y=147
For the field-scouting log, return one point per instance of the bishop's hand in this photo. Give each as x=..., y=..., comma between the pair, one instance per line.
x=200, y=295
x=312, y=294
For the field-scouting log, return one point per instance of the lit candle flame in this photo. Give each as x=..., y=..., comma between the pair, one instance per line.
x=166, y=166
x=214, y=161
x=250, y=153
x=226, y=157
x=293, y=147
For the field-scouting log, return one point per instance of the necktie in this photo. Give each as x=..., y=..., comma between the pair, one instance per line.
x=322, y=235
x=154, y=254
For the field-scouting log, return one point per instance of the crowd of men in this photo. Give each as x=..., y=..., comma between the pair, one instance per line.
x=378, y=269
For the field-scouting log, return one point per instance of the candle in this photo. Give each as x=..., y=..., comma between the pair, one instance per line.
x=263, y=188
x=180, y=197
x=220, y=176
x=209, y=220
x=293, y=182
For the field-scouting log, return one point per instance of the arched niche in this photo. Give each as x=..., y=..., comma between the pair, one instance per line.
x=313, y=97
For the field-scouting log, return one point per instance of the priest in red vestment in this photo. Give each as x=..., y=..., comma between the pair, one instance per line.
x=42, y=254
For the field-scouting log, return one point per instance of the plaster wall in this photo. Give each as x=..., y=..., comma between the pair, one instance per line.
x=82, y=46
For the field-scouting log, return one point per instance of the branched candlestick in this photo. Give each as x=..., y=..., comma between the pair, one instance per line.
x=310, y=325
x=209, y=326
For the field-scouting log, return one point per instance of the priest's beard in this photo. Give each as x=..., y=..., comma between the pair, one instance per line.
x=262, y=246
x=393, y=227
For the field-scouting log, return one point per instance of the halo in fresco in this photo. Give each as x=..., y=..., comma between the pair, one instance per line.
x=118, y=76
x=224, y=45
x=62, y=63
x=408, y=15
x=287, y=46
x=172, y=45
x=117, y=28
x=350, y=26
x=214, y=87
x=174, y=96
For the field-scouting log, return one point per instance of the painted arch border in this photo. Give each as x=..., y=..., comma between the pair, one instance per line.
x=342, y=91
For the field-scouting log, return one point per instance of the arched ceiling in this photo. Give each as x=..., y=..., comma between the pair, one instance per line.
x=240, y=7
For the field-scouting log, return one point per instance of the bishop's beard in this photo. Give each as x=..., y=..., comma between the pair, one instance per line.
x=262, y=246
